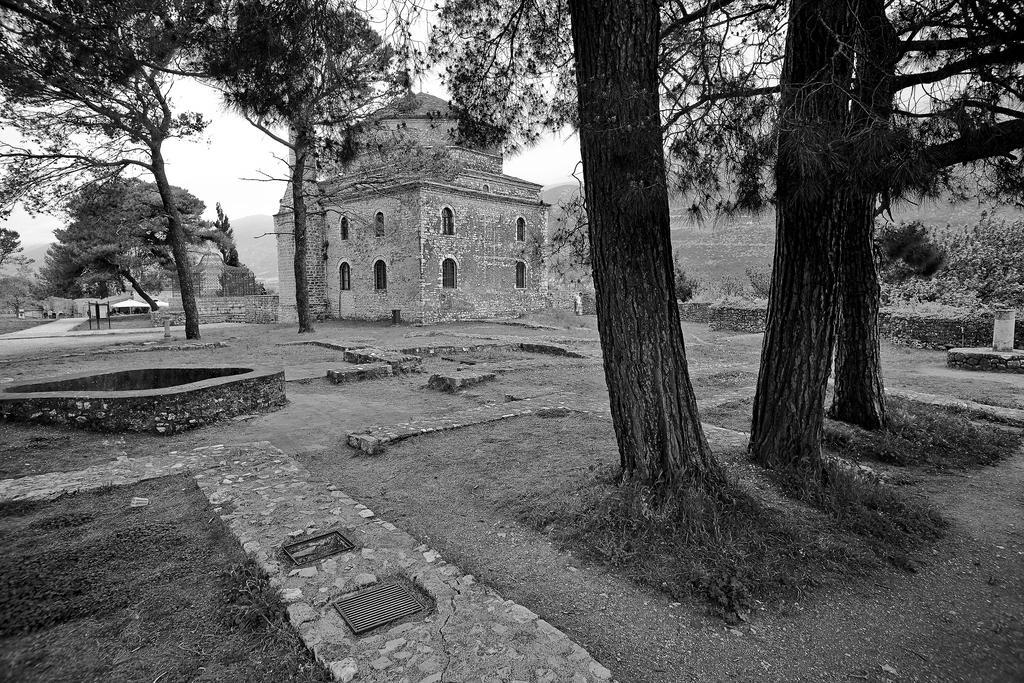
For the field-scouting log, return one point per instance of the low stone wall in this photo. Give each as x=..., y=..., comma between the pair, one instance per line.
x=986, y=359
x=695, y=311
x=161, y=411
x=256, y=308
x=941, y=332
x=737, y=318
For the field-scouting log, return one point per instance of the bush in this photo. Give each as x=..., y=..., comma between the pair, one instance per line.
x=731, y=287
x=685, y=285
x=974, y=266
x=760, y=281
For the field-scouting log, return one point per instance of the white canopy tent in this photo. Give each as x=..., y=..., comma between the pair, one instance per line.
x=129, y=304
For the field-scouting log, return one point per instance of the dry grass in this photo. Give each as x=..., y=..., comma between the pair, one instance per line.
x=96, y=591
x=920, y=435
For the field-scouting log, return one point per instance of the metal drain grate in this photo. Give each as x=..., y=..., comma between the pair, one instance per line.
x=371, y=608
x=317, y=547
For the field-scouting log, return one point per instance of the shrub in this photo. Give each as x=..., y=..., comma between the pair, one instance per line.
x=973, y=266
x=731, y=287
x=760, y=281
x=684, y=285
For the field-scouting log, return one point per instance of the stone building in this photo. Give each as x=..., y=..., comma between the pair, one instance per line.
x=418, y=223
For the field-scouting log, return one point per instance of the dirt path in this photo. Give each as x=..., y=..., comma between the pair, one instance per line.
x=959, y=618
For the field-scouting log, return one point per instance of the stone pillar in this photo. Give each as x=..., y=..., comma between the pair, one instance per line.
x=1002, y=330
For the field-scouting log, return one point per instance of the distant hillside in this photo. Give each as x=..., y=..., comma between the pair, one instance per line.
x=716, y=247
x=36, y=252
x=259, y=253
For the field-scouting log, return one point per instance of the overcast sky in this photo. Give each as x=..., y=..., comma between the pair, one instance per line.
x=215, y=168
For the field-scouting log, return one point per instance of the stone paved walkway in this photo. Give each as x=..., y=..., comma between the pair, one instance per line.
x=267, y=499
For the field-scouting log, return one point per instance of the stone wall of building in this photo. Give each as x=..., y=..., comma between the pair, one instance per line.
x=399, y=248
x=485, y=250
x=316, y=265
x=228, y=309
x=165, y=412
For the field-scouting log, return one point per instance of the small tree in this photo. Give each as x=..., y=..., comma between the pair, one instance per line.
x=87, y=89
x=10, y=246
x=313, y=66
x=118, y=231
x=225, y=238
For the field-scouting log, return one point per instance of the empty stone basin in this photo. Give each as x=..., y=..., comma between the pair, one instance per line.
x=159, y=400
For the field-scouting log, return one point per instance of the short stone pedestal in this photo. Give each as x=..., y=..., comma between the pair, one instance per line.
x=1002, y=330
x=1002, y=357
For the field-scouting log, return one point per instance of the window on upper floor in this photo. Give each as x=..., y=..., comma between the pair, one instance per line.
x=380, y=275
x=447, y=221
x=344, y=227
x=449, y=274
x=378, y=230
x=520, y=229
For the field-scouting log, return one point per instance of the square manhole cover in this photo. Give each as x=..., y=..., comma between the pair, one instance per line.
x=317, y=547
x=366, y=610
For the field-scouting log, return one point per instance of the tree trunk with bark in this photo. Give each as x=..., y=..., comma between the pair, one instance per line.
x=859, y=397
x=178, y=241
x=137, y=286
x=302, y=144
x=661, y=442
x=796, y=359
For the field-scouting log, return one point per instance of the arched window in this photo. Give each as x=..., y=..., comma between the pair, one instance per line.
x=520, y=275
x=345, y=277
x=344, y=227
x=449, y=274
x=447, y=221
x=379, y=226
x=487, y=188
x=520, y=229
x=380, y=275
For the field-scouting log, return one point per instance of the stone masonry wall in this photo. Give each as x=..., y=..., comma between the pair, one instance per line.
x=695, y=312
x=399, y=249
x=229, y=309
x=738, y=318
x=942, y=332
x=486, y=251
x=315, y=264
x=161, y=413
x=986, y=360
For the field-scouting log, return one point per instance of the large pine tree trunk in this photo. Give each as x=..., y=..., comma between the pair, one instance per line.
x=859, y=397
x=654, y=410
x=796, y=358
x=859, y=392
x=178, y=241
x=303, y=143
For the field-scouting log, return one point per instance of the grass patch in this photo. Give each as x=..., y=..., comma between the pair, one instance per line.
x=891, y=522
x=96, y=591
x=736, y=414
x=730, y=551
x=8, y=324
x=924, y=435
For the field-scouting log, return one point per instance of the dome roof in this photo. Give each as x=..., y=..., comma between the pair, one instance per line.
x=417, y=106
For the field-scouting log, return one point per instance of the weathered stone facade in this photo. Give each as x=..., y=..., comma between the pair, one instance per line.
x=457, y=238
